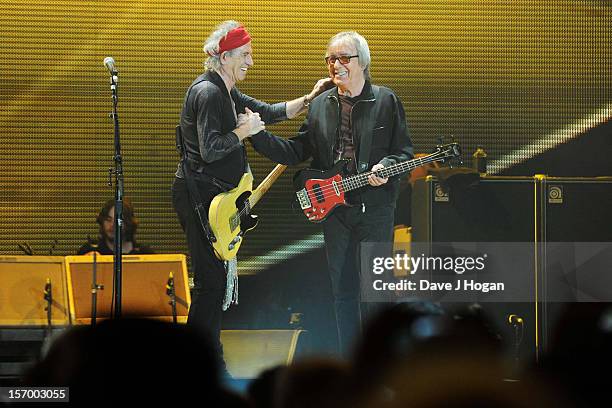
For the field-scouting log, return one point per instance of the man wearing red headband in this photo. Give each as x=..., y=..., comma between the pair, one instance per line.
x=215, y=119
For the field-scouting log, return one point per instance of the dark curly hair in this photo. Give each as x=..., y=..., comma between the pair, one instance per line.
x=130, y=223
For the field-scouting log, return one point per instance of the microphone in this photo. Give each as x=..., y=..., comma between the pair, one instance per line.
x=109, y=63
x=47, y=292
x=515, y=320
x=170, y=285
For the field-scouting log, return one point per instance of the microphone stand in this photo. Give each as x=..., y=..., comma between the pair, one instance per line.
x=517, y=324
x=48, y=296
x=118, y=172
x=95, y=288
x=171, y=292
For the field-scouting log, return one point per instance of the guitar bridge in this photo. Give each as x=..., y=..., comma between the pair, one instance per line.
x=303, y=199
x=232, y=244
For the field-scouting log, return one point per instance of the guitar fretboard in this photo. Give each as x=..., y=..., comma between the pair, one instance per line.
x=361, y=180
x=265, y=185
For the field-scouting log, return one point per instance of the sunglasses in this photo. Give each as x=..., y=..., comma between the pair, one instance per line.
x=344, y=59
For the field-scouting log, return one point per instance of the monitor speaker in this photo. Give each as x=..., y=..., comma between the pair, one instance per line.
x=249, y=352
x=144, y=280
x=22, y=293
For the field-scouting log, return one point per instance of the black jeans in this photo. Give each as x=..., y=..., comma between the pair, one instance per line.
x=208, y=271
x=344, y=230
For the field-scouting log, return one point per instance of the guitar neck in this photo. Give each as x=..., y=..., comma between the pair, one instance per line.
x=361, y=180
x=265, y=185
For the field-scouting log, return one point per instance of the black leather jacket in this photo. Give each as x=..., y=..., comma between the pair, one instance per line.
x=207, y=124
x=378, y=121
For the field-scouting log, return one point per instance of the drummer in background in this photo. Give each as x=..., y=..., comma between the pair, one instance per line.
x=105, y=243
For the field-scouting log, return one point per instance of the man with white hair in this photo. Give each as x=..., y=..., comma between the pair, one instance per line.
x=215, y=119
x=365, y=124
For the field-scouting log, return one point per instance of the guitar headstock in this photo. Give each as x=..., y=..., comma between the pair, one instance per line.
x=447, y=151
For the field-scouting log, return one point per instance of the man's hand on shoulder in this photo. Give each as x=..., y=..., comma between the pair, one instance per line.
x=322, y=85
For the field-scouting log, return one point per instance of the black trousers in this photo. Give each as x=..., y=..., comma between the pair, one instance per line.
x=209, y=272
x=344, y=230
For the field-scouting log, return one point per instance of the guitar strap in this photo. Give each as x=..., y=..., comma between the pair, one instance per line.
x=194, y=193
x=365, y=144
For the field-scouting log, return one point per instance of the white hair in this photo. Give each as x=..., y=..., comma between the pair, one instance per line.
x=360, y=44
x=211, y=45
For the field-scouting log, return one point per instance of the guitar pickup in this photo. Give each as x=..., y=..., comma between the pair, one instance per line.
x=303, y=199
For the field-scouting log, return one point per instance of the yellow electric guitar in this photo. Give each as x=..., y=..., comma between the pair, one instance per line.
x=230, y=213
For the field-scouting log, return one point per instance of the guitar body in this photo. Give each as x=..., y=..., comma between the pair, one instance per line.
x=320, y=192
x=229, y=217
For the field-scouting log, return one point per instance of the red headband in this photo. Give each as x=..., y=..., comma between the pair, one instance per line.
x=234, y=39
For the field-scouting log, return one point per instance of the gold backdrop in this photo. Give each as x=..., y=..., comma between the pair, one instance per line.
x=514, y=76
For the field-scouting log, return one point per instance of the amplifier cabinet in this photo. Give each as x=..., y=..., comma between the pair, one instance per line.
x=144, y=279
x=541, y=210
x=22, y=293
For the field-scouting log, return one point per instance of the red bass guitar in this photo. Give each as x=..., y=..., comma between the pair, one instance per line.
x=319, y=192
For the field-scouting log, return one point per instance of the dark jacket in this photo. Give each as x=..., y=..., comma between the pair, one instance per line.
x=207, y=124
x=378, y=121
